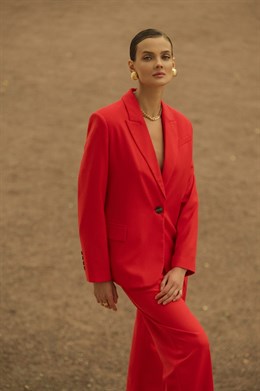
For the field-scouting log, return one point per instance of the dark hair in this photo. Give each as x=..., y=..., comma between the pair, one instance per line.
x=148, y=33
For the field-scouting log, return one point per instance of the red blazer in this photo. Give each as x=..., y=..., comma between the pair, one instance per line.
x=131, y=215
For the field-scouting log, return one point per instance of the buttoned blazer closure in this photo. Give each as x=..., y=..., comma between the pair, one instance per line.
x=131, y=215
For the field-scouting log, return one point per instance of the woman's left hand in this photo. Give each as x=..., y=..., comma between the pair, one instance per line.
x=171, y=286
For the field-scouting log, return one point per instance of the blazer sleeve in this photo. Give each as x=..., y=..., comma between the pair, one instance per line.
x=92, y=184
x=187, y=228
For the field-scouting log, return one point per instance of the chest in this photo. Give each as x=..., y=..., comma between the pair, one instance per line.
x=156, y=134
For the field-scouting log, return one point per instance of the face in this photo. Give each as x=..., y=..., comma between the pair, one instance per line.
x=154, y=62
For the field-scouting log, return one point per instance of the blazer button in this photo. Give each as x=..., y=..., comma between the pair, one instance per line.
x=159, y=209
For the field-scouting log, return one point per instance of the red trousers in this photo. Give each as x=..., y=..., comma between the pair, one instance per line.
x=170, y=350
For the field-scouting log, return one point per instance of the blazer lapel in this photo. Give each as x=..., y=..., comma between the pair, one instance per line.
x=171, y=149
x=140, y=134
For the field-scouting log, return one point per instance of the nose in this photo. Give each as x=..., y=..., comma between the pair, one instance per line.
x=159, y=62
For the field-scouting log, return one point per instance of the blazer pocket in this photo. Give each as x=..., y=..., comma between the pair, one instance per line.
x=116, y=231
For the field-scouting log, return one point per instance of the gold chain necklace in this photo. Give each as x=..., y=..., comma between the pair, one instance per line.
x=150, y=117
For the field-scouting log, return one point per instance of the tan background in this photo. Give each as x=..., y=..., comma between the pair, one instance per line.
x=61, y=60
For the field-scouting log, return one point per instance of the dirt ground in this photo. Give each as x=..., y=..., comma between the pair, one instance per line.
x=60, y=61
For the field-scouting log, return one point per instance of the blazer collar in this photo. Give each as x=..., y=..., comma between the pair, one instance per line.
x=141, y=136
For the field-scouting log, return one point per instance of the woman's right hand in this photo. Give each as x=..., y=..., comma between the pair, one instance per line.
x=106, y=294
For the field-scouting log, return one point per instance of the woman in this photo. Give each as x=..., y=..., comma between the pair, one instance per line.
x=138, y=221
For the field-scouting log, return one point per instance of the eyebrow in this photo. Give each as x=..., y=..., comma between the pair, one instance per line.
x=164, y=51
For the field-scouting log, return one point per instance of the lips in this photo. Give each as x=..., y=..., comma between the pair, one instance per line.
x=159, y=74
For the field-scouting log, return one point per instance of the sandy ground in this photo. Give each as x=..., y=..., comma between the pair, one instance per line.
x=60, y=61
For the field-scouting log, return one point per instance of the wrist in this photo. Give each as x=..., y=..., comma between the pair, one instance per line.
x=180, y=270
x=101, y=282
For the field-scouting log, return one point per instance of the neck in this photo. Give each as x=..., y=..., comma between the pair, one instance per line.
x=149, y=99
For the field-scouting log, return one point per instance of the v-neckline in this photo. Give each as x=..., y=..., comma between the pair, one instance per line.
x=151, y=141
x=138, y=129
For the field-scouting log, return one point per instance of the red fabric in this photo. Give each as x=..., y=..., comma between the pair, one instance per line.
x=120, y=185
x=170, y=350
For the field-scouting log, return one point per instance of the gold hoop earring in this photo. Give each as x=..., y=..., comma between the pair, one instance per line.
x=174, y=72
x=134, y=75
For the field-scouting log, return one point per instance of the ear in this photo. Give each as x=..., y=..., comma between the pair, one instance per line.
x=131, y=65
x=173, y=62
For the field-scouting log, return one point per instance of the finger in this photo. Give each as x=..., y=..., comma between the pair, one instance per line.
x=168, y=295
x=111, y=303
x=164, y=281
x=161, y=294
x=178, y=296
x=115, y=295
x=170, y=288
x=166, y=289
x=103, y=301
x=176, y=292
x=96, y=296
x=170, y=300
x=174, y=297
x=163, y=289
x=100, y=300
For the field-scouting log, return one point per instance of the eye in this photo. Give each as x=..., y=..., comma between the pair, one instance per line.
x=166, y=57
x=147, y=58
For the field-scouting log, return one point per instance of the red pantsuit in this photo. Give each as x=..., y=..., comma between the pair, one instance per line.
x=135, y=224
